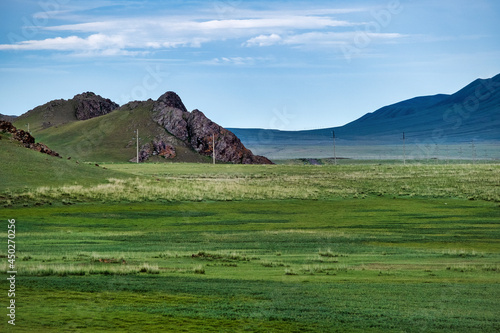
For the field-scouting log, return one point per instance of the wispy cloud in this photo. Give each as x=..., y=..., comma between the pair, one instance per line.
x=93, y=42
x=240, y=61
x=127, y=35
x=321, y=38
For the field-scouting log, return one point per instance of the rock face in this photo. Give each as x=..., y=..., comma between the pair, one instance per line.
x=157, y=147
x=90, y=105
x=170, y=113
x=25, y=138
x=198, y=131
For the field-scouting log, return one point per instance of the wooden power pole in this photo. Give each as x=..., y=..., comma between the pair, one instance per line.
x=137, y=132
x=213, y=147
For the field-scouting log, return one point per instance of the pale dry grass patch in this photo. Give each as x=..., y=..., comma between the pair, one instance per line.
x=465, y=181
x=86, y=269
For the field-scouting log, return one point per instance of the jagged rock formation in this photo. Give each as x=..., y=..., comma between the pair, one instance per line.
x=170, y=113
x=90, y=105
x=25, y=138
x=198, y=131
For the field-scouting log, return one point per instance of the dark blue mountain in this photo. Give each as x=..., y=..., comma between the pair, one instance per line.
x=472, y=113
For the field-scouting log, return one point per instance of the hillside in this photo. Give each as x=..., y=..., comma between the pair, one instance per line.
x=91, y=128
x=23, y=168
x=59, y=112
x=112, y=138
x=473, y=113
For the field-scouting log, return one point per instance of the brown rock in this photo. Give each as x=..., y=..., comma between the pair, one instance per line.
x=164, y=149
x=90, y=105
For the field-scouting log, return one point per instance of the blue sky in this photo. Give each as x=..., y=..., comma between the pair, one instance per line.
x=281, y=64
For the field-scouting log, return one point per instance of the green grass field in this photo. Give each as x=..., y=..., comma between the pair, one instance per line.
x=284, y=248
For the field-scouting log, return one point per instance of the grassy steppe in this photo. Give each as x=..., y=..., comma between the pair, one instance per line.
x=191, y=247
x=198, y=182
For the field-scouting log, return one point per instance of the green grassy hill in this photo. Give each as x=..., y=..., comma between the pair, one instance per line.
x=53, y=113
x=108, y=138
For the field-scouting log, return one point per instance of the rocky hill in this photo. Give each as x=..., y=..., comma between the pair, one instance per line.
x=199, y=132
x=57, y=112
x=90, y=127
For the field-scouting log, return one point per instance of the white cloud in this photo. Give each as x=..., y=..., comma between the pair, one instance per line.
x=239, y=61
x=194, y=24
x=264, y=40
x=71, y=43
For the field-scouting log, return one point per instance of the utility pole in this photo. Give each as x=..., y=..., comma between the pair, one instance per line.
x=334, y=152
x=404, y=149
x=213, y=147
x=137, y=132
x=473, y=152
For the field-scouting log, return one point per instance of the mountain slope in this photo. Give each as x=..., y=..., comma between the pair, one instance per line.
x=472, y=113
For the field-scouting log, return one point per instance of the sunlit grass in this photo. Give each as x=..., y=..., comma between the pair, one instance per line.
x=173, y=183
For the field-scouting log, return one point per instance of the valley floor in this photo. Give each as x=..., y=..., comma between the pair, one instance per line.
x=190, y=247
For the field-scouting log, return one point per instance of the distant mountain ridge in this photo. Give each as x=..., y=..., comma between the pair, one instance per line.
x=8, y=118
x=472, y=113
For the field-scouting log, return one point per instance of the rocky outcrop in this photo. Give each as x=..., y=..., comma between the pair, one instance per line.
x=25, y=138
x=163, y=149
x=170, y=100
x=199, y=132
x=170, y=113
x=157, y=147
x=90, y=105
